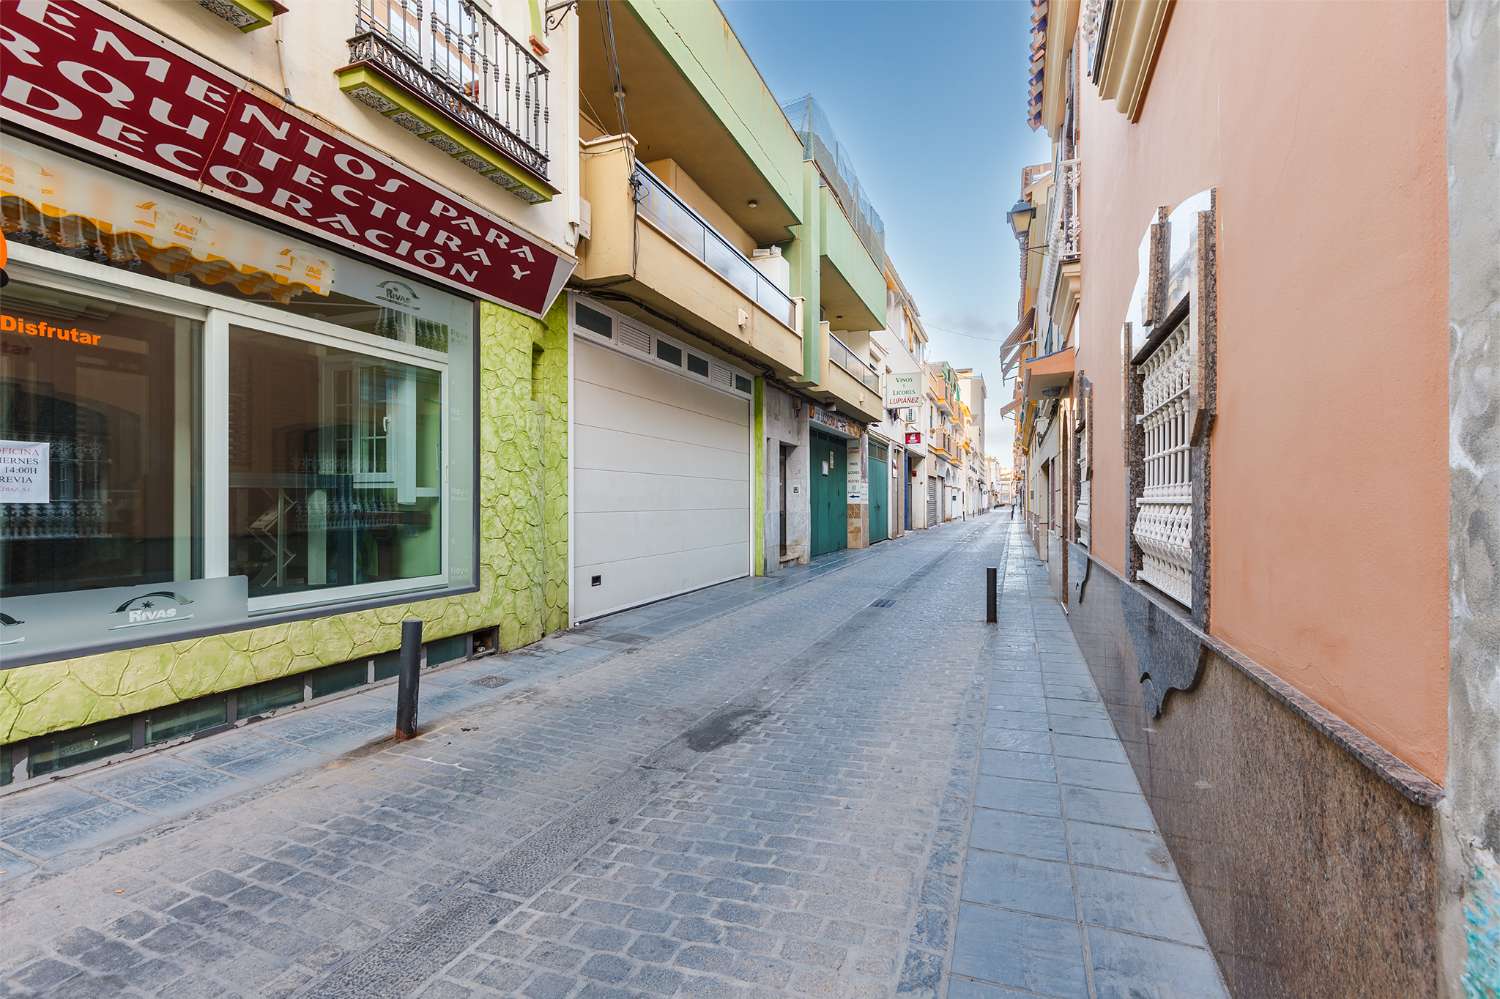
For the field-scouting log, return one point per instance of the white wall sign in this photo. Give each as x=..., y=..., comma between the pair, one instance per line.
x=24, y=472
x=903, y=389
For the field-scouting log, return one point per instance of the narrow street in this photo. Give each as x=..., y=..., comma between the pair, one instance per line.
x=774, y=800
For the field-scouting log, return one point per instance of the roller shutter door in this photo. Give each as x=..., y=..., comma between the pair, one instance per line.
x=661, y=479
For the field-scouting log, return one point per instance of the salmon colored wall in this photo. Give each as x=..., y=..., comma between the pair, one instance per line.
x=1322, y=127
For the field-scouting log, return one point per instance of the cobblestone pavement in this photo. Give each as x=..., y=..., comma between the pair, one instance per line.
x=763, y=789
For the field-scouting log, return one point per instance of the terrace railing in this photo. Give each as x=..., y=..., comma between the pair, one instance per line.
x=687, y=229
x=840, y=354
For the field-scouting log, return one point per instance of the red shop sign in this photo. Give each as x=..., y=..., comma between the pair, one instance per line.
x=913, y=437
x=85, y=72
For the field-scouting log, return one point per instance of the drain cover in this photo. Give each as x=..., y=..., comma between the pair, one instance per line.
x=884, y=602
x=493, y=680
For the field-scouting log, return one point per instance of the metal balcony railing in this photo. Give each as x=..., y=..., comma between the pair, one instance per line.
x=847, y=359
x=454, y=56
x=687, y=229
x=821, y=145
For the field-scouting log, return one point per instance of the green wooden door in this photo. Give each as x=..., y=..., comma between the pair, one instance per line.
x=880, y=491
x=828, y=496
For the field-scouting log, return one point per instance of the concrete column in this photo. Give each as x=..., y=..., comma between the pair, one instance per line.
x=858, y=486
x=805, y=258
x=1469, y=917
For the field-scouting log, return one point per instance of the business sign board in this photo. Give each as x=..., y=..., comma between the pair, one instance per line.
x=89, y=74
x=903, y=389
x=913, y=437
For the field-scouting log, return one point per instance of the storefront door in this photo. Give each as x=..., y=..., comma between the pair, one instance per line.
x=828, y=493
x=880, y=488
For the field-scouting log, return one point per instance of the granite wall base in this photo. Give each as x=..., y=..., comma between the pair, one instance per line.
x=1313, y=875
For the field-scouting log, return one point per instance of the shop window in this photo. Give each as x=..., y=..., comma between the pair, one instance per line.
x=266, y=697
x=187, y=718
x=697, y=365
x=335, y=466
x=51, y=753
x=198, y=434
x=100, y=399
x=334, y=679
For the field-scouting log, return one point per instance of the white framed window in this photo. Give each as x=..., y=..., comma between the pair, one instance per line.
x=1164, y=512
x=194, y=437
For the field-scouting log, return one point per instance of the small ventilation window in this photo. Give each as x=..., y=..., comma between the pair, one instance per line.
x=698, y=365
x=593, y=320
x=334, y=679
x=742, y=383
x=75, y=747
x=187, y=718
x=667, y=352
x=269, y=696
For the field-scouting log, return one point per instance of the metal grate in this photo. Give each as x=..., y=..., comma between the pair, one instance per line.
x=1164, y=521
x=883, y=602
x=492, y=681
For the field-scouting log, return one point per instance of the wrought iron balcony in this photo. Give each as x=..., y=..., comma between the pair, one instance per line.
x=845, y=358
x=687, y=229
x=478, y=91
x=1069, y=228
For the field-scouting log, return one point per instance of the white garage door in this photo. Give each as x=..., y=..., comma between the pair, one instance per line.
x=661, y=472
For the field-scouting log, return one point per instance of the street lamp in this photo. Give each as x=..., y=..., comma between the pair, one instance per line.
x=1021, y=214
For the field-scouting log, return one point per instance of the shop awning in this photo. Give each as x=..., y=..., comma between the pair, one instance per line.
x=1019, y=333
x=61, y=204
x=1008, y=408
x=1048, y=375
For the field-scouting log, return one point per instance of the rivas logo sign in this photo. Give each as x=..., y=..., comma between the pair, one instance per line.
x=398, y=293
x=156, y=607
x=6, y=621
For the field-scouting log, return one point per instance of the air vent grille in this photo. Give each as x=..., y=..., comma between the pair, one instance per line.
x=633, y=337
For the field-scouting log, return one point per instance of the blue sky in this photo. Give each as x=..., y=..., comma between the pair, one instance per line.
x=929, y=97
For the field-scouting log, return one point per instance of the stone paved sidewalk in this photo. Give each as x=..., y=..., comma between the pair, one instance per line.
x=762, y=789
x=1068, y=890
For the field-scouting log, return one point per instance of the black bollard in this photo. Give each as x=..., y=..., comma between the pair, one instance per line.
x=991, y=595
x=409, y=679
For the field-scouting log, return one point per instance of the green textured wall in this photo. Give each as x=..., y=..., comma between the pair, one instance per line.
x=707, y=52
x=523, y=573
x=844, y=250
x=803, y=256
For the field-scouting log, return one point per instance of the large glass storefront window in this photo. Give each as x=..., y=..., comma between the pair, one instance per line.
x=203, y=423
x=99, y=400
x=335, y=466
